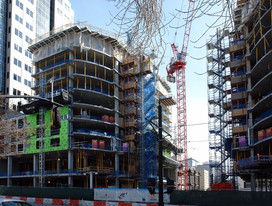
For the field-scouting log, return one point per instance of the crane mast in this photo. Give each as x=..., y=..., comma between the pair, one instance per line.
x=177, y=65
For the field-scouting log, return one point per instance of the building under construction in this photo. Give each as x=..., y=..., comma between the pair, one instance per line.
x=104, y=133
x=250, y=79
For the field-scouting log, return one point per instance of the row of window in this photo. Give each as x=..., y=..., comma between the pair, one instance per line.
x=20, y=35
x=19, y=49
x=27, y=83
x=18, y=78
x=21, y=6
x=16, y=92
x=18, y=63
x=20, y=20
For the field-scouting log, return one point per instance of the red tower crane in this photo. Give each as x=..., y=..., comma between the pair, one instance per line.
x=177, y=65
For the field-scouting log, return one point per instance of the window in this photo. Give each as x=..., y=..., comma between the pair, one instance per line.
x=14, y=91
x=55, y=142
x=17, y=48
x=9, y=30
x=28, y=39
x=8, y=44
x=29, y=83
x=19, y=19
x=7, y=75
x=17, y=62
x=67, y=18
x=28, y=54
x=15, y=78
x=20, y=147
x=14, y=107
x=67, y=7
x=28, y=68
x=29, y=12
x=31, y=1
x=9, y=14
x=60, y=1
x=8, y=60
x=25, y=82
x=18, y=92
x=59, y=12
x=19, y=4
x=30, y=27
x=19, y=78
x=18, y=33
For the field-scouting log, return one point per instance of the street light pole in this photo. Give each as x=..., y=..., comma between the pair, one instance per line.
x=167, y=101
x=160, y=156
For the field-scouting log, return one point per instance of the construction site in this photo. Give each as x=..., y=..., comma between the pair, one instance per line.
x=239, y=78
x=97, y=120
x=104, y=134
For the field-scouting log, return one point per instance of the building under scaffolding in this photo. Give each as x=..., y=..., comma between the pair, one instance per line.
x=250, y=81
x=101, y=136
x=251, y=77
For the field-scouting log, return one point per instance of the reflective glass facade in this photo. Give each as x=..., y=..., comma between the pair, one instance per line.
x=3, y=37
x=42, y=17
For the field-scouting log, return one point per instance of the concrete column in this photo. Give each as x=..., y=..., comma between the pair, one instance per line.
x=116, y=169
x=253, y=182
x=70, y=166
x=91, y=180
x=9, y=172
x=71, y=71
x=116, y=93
x=35, y=169
x=58, y=164
x=70, y=110
x=85, y=161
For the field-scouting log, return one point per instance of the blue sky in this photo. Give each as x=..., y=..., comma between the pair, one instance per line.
x=97, y=13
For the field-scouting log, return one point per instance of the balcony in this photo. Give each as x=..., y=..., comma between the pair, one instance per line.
x=255, y=161
x=239, y=112
x=238, y=79
x=237, y=45
x=129, y=137
x=239, y=129
x=239, y=95
x=237, y=61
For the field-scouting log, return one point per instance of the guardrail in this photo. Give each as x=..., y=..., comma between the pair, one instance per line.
x=255, y=160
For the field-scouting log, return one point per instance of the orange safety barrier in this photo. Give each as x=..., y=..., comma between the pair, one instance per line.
x=98, y=203
x=124, y=204
x=23, y=198
x=151, y=204
x=269, y=132
x=39, y=200
x=57, y=202
x=9, y=197
x=74, y=202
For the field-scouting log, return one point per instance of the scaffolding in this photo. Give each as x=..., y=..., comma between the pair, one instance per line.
x=147, y=113
x=219, y=102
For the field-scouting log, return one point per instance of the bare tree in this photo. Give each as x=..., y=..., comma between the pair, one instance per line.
x=145, y=24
